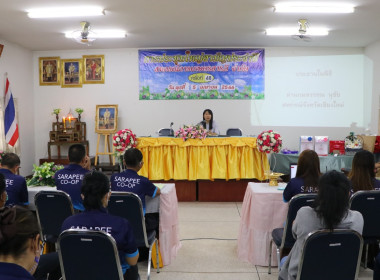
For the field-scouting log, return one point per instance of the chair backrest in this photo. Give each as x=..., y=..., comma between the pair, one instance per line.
x=368, y=204
x=129, y=206
x=297, y=201
x=88, y=255
x=53, y=207
x=331, y=255
x=234, y=132
x=166, y=132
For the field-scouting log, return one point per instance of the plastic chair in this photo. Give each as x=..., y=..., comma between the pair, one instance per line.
x=129, y=206
x=331, y=255
x=52, y=207
x=368, y=204
x=88, y=255
x=166, y=132
x=234, y=132
x=283, y=237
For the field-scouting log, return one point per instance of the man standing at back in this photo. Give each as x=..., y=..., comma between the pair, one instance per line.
x=69, y=179
x=15, y=184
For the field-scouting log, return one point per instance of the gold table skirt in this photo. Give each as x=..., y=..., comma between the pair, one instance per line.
x=212, y=158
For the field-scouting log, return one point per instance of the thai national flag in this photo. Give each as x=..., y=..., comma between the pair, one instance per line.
x=10, y=123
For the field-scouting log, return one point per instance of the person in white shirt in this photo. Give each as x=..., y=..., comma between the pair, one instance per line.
x=209, y=123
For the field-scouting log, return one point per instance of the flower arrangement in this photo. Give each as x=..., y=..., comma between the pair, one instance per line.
x=269, y=141
x=44, y=174
x=123, y=140
x=191, y=132
x=79, y=110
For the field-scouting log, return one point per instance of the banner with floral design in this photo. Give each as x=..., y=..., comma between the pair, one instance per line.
x=201, y=74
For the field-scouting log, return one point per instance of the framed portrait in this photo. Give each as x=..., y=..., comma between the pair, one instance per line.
x=71, y=73
x=106, y=119
x=49, y=71
x=93, y=69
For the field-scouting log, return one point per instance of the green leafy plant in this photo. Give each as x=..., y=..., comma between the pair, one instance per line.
x=56, y=111
x=79, y=110
x=44, y=174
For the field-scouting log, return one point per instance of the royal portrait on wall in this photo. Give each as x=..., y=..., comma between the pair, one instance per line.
x=106, y=119
x=49, y=71
x=71, y=73
x=93, y=69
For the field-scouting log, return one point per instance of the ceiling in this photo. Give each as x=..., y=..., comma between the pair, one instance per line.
x=180, y=24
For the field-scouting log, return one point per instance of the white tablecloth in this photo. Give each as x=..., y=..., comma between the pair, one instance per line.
x=166, y=204
x=263, y=210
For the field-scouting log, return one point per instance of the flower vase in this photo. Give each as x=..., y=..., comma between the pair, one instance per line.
x=79, y=117
x=120, y=160
x=57, y=117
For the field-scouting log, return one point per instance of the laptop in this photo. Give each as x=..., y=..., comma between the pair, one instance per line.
x=293, y=170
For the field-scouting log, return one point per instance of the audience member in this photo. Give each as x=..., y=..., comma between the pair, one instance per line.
x=331, y=212
x=130, y=181
x=15, y=184
x=19, y=243
x=306, y=180
x=96, y=193
x=362, y=174
x=69, y=179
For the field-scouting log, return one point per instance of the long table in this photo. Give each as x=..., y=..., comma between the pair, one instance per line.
x=166, y=204
x=263, y=210
x=280, y=162
x=212, y=158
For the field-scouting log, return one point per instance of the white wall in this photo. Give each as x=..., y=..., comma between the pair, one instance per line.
x=372, y=53
x=146, y=117
x=18, y=63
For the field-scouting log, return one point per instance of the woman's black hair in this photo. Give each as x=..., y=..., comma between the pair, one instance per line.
x=95, y=186
x=363, y=171
x=211, y=120
x=332, y=201
x=17, y=226
x=308, y=168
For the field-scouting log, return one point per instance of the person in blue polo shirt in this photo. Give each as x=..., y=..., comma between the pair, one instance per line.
x=130, y=181
x=16, y=184
x=96, y=193
x=19, y=243
x=69, y=179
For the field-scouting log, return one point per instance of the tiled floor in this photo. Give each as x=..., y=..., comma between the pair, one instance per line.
x=209, y=247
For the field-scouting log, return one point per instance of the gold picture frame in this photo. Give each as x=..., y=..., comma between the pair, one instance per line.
x=106, y=119
x=50, y=71
x=93, y=72
x=71, y=74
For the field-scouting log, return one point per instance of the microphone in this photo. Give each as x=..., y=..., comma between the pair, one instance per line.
x=171, y=129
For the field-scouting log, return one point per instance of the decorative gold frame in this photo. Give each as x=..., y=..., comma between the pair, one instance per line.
x=100, y=126
x=54, y=70
x=66, y=75
x=88, y=76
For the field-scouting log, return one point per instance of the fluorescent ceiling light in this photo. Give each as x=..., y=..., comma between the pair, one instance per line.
x=293, y=31
x=97, y=34
x=66, y=12
x=314, y=8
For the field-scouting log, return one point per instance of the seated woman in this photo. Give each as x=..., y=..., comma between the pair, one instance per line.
x=306, y=180
x=331, y=212
x=19, y=243
x=209, y=123
x=362, y=174
x=95, y=193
